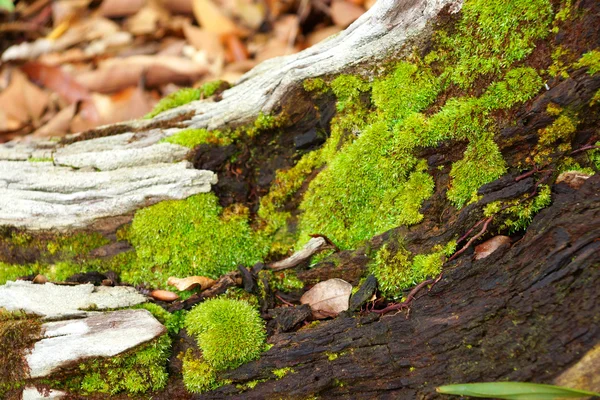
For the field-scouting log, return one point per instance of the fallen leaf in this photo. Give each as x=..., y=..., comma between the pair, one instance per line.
x=144, y=22
x=59, y=125
x=191, y=282
x=21, y=102
x=236, y=51
x=164, y=295
x=344, y=13
x=120, y=8
x=489, y=246
x=211, y=18
x=328, y=298
x=119, y=73
x=57, y=80
x=572, y=178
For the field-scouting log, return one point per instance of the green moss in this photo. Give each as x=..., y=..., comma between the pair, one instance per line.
x=286, y=281
x=18, y=334
x=40, y=159
x=176, y=99
x=332, y=356
x=177, y=238
x=517, y=86
x=594, y=157
x=492, y=35
x=239, y=294
x=590, y=60
x=172, y=321
x=194, y=137
x=229, y=332
x=562, y=59
x=281, y=372
x=397, y=269
x=565, y=13
x=516, y=215
x=209, y=88
x=316, y=85
x=482, y=163
x=10, y=272
x=370, y=175
x=409, y=88
x=140, y=371
x=198, y=375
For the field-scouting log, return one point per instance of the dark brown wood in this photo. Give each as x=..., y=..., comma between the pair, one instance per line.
x=522, y=314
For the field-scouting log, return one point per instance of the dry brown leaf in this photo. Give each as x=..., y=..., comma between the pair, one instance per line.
x=120, y=8
x=177, y=6
x=59, y=125
x=21, y=102
x=210, y=17
x=489, y=246
x=164, y=295
x=130, y=103
x=57, y=80
x=236, y=50
x=144, y=22
x=574, y=179
x=251, y=13
x=191, y=282
x=119, y=73
x=344, y=13
x=286, y=29
x=205, y=40
x=328, y=298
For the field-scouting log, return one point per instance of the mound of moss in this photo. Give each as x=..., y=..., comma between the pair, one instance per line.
x=229, y=333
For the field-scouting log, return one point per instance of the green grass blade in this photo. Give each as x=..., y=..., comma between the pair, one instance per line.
x=514, y=391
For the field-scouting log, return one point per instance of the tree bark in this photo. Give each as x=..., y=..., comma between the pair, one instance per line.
x=525, y=313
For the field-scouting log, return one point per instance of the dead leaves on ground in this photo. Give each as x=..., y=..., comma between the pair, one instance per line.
x=191, y=282
x=71, y=65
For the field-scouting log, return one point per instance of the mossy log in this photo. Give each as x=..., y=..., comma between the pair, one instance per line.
x=525, y=313
x=423, y=129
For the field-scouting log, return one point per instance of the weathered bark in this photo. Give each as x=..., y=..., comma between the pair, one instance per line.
x=32, y=197
x=521, y=314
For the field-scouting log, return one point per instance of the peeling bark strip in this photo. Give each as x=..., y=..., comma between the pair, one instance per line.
x=522, y=314
x=102, y=335
x=39, y=195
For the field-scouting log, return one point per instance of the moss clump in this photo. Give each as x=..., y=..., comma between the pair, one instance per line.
x=281, y=372
x=590, y=60
x=229, y=332
x=397, y=269
x=40, y=159
x=18, y=334
x=286, y=281
x=492, y=35
x=178, y=238
x=140, y=371
x=176, y=99
x=517, y=214
x=482, y=163
x=198, y=375
x=186, y=95
x=194, y=137
x=317, y=85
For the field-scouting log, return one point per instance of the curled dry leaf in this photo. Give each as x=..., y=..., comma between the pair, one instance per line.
x=191, y=282
x=164, y=295
x=328, y=298
x=211, y=17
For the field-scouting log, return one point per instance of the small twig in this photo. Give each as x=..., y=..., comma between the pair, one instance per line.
x=409, y=298
x=466, y=246
x=584, y=148
x=284, y=301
